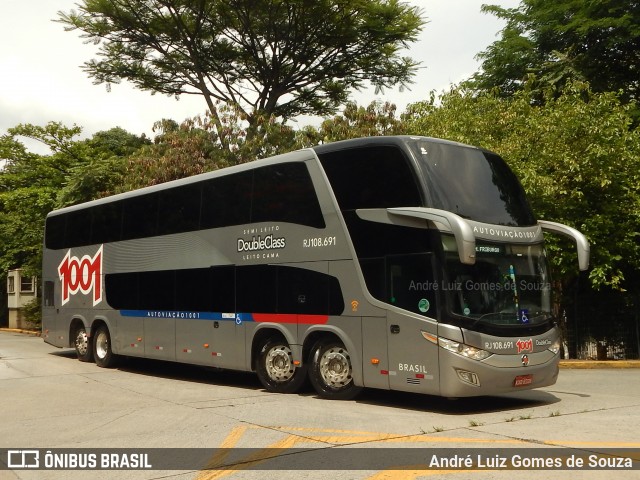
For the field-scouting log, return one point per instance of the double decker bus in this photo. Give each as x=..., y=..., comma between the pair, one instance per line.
x=402, y=263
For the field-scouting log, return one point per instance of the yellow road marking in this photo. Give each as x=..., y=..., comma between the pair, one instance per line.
x=390, y=438
x=410, y=472
x=249, y=461
x=325, y=430
x=369, y=437
x=229, y=442
x=564, y=443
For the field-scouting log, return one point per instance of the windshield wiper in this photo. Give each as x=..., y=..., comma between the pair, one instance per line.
x=511, y=317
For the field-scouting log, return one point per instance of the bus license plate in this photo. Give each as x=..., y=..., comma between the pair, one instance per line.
x=522, y=380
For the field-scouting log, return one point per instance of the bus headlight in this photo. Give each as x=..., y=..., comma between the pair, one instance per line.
x=462, y=349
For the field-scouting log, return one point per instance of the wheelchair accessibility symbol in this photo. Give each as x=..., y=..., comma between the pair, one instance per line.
x=238, y=320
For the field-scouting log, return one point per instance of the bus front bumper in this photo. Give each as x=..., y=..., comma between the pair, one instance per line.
x=498, y=374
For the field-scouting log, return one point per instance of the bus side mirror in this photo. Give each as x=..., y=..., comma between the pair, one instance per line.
x=582, y=244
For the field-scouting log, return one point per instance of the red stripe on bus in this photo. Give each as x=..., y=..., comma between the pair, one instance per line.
x=313, y=319
x=290, y=318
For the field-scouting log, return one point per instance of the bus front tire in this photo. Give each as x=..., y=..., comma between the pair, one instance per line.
x=331, y=371
x=102, y=352
x=275, y=368
x=83, y=346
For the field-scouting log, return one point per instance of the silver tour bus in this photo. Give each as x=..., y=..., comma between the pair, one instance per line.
x=402, y=263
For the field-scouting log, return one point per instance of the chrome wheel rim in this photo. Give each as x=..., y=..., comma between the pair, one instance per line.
x=82, y=343
x=279, y=364
x=102, y=345
x=335, y=367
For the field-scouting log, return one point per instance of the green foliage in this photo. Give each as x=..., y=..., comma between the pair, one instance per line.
x=22, y=213
x=507, y=62
x=263, y=137
x=178, y=151
x=33, y=313
x=268, y=57
x=54, y=135
x=100, y=167
x=576, y=157
x=376, y=119
x=565, y=40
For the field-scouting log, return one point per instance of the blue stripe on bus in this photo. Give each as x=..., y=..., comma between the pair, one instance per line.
x=188, y=315
x=231, y=317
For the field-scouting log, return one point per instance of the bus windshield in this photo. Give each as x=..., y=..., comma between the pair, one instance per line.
x=508, y=285
x=472, y=183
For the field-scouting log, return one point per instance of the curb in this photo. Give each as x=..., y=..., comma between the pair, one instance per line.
x=592, y=364
x=35, y=333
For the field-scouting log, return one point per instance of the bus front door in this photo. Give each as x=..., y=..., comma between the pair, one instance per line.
x=412, y=326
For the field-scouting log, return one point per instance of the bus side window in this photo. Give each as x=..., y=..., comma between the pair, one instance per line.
x=106, y=223
x=285, y=193
x=54, y=232
x=303, y=291
x=256, y=289
x=226, y=201
x=287, y=290
x=140, y=217
x=78, y=231
x=179, y=209
x=157, y=290
x=193, y=290
x=122, y=290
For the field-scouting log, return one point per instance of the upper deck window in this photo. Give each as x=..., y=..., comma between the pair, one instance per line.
x=371, y=177
x=282, y=192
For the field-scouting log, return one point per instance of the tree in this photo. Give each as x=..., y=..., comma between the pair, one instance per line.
x=279, y=58
x=178, y=151
x=356, y=121
x=557, y=41
x=100, y=167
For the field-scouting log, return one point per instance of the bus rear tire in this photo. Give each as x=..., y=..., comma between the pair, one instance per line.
x=331, y=371
x=82, y=344
x=275, y=368
x=102, y=352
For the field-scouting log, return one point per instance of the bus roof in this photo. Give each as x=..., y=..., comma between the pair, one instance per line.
x=397, y=140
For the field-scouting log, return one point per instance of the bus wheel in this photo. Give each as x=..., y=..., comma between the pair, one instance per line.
x=331, y=371
x=275, y=367
x=102, y=348
x=83, y=345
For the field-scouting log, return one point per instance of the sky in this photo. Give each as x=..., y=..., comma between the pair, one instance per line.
x=41, y=78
